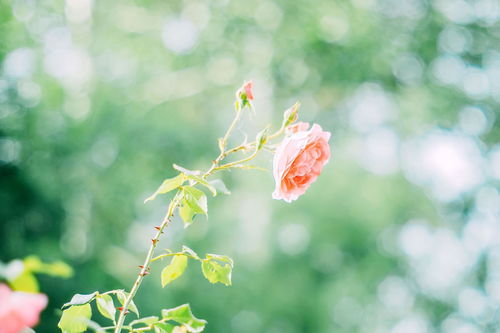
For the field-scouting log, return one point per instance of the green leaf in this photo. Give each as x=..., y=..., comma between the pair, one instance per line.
x=173, y=270
x=57, y=268
x=193, y=202
x=187, y=250
x=122, y=296
x=95, y=326
x=214, y=272
x=183, y=315
x=20, y=273
x=186, y=213
x=220, y=258
x=80, y=299
x=204, y=183
x=196, y=199
x=106, y=306
x=220, y=186
x=33, y=264
x=167, y=186
x=146, y=321
x=164, y=328
x=25, y=282
x=75, y=319
x=185, y=171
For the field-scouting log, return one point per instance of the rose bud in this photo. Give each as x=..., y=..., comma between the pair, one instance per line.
x=291, y=114
x=244, y=95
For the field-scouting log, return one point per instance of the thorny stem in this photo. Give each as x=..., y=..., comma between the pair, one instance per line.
x=175, y=202
x=145, y=267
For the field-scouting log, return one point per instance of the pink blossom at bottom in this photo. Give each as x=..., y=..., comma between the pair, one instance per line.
x=19, y=310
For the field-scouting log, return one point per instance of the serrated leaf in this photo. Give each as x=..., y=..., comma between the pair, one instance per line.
x=146, y=321
x=80, y=299
x=186, y=213
x=189, y=251
x=204, y=183
x=75, y=319
x=196, y=199
x=164, y=328
x=167, y=186
x=173, y=270
x=219, y=186
x=183, y=315
x=214, y=272
x=122, y=296
x=220, y=258
x=106, y=306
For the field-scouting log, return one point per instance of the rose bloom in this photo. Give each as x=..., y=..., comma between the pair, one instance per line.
x=299, y=160
x=19, y=310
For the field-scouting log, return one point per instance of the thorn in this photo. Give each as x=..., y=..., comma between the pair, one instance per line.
x=157, y=228
x=154, y=241
x=121, y=309
x=141, y=267
x=144, y=274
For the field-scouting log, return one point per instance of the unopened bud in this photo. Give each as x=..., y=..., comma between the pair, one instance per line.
x=291, y=115
x=244, y=95
x=246, y=91
x=261, y=138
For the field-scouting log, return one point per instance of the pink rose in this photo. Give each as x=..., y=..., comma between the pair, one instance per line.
x=19, y=310
x=248, y=86
x=299, y=160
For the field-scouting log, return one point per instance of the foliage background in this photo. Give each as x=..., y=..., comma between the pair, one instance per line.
x=400, y=234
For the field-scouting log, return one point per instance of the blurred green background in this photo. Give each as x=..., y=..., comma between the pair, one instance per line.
x=400, y=234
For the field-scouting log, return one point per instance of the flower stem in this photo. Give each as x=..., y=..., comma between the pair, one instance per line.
x=147, y=262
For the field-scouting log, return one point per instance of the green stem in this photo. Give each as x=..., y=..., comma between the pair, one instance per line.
x=231, y=164
x=231, y=128
x=147, y=261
